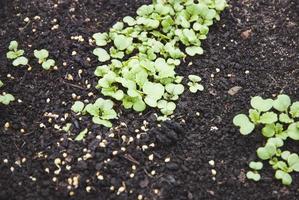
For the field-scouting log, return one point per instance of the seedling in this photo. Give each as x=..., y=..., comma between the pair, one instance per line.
x=141, y=53
x=6, y=98
x=42, y=56
x=194, y=85
x=16, y=54
x=101, y=111
x=278, y=120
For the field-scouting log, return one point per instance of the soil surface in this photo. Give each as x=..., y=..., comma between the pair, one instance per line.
x=254, y=46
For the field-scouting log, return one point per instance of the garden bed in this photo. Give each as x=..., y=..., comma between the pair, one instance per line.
x=254, y=46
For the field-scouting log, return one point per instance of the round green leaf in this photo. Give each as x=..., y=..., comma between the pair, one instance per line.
x=268, y=118
x=261, y=104
x=78, y=106
x=294, y=109
x=253, y=175
x=192, y=51
x=102, y=54
x=293, y=131
x=20, y=61
x=242, y=121
x=122, y=42
x=282, y=102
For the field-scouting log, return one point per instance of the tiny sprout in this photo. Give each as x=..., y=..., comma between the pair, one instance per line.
x=16, y=55
x=256, y=165
x=253, y=175
x=42, y=56
x=193, y=84
x=81, y=135
x=6, y=99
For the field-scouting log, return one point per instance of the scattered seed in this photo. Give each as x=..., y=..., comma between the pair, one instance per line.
x=212, y=163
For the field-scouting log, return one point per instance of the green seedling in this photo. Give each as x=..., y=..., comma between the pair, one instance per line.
x=254, y=175
x=6, y=98
x=81, y=135
x=194, y=85
x=278, y=121
x=101, y=111
x=141, y=53
x=42, y=56
x=16, y=54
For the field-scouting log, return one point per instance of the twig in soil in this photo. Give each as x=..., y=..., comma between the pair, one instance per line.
x=73, y=85
x=130, y=158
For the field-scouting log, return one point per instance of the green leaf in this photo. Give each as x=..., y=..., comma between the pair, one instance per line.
x=139, y=105
x=6, y=99
x=101, y=39
x=284, y=118
x=129, y=20
x=48, y=64
x=293, y=162
x=253, y=175
x=285, y=155
x=261, y=104
x=175, y=89
x=254, y=116
x=67, y=127
x=98, y=120
x=269, y=130
x=242, y=121
x=220, y=5
x=192, y=51
x=81, y=135
x=154, y=90
x=282, y=103
x=1, y=84
x=256, y=165
x=294, y=109
x=78, y=107
x=268, y=118
x=122, y=42
x=284, y=176
x=102, y=54
x=41, y=55
x=194, y=78
x=293, y=131
x=266, y=152
x=277, y=142
x=13, y=45
x=20, y=61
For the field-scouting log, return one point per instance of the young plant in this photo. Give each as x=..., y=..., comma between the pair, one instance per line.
x=278, y=120
x=42, y=56
x=101, y=111
x=16, y=54
x=194, y=85
x=142, y=52
x=6, y=98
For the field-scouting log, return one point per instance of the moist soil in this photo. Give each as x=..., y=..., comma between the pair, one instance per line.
x=254, y=47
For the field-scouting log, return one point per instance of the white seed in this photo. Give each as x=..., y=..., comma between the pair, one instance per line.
x=167, y=160
x=212, y=162
x=74, y=53
x=12, y=169
x=100, y=177
x=151, y=157
x=140, y=197
x=26, y=19
x=88, y=189
x=247, y=72
x=153, y=172
x=214, y=172
x=7, y=125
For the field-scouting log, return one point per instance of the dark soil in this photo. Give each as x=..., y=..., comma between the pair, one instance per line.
x=260, y=36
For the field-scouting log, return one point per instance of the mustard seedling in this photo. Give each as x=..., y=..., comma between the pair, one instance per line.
x=42, y=56
x=278, y=122
x=16, y=55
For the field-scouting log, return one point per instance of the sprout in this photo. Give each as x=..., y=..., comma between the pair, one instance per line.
x=42, y=56
x=102, y=54
x=193, y=84
x=253, y=175
x=81, y=135
x=101, y=111
x=6, y=99
x=284, y=177
x=16, y=55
